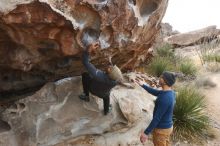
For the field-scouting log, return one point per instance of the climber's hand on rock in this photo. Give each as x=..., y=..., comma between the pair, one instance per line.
x=140, y=81
x=143, y=137
x=93, y=47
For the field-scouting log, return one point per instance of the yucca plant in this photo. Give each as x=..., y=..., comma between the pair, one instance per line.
x=187, y=67
x=190, y=120
x=165, y=50
x=217, y=58
x=159, y=64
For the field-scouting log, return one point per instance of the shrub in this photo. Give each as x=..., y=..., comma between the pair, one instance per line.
x=187, y=67
x=190, y=120
x=165, y=59
x=159, y=64
x=208, y=48
x=165, y=51
x=211, y=58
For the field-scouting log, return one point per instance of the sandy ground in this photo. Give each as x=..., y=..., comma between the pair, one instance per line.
x=213, y=100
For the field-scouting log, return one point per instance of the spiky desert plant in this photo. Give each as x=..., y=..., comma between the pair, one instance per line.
x=187, y=67
x=159, y=64
x=166, y=50
x=190, y=120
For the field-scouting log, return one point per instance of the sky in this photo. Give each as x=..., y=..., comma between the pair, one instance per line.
x=189, y=15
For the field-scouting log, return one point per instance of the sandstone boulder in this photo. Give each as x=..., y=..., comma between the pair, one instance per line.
x=55, y=116
x=194, y=37
x=38, y=37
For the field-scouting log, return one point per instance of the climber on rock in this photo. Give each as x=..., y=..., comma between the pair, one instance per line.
x=95, y=81
x=162, y=123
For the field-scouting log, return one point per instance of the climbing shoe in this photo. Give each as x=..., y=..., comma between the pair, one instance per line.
x=84, y=97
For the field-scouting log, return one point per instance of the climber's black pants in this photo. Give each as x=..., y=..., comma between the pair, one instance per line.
x=93, y=86
x=86, y=80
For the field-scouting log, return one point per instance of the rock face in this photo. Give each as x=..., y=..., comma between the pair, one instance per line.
x=38, y=37
x=167, y=30
x=55, y=116
x=194, y=37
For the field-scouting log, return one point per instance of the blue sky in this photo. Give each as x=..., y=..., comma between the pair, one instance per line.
x=188, y=15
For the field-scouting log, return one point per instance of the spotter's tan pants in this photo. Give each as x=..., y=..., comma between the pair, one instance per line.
x=161, y=137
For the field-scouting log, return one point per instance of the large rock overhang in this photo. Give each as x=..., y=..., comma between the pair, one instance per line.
x=38, y=37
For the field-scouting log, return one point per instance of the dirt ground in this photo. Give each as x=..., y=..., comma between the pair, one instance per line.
x=213, y=100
